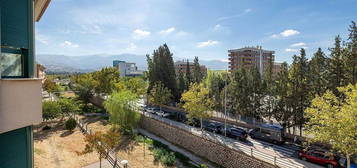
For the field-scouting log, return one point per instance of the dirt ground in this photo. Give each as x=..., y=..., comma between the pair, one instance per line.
x=57, y=148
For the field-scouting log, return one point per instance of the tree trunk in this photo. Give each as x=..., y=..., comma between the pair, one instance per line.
x=201, y=125
x=100, y=160
x=348, y=161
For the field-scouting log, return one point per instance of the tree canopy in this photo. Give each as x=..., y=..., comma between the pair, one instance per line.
x=332, y=120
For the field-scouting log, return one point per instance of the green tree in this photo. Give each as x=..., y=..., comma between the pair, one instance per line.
x=188, y=75
x=336, y=68
x=239, y=94
x=160, y=95
x=268, y=90
x=161, y=69
x=105, y=80
x=197, y=102
x=298, y=74
x=68, y=107
x=197, y=73
x=332, y=120
x=282, y=111
x=351, y=58
x=50, y=110
x=181, y=83
x=137, y=85
x=84, y=85
x=70, y=124
x=215, y=83
x=98, y=142
x=256, y=94
x=318, y=73
x=123, y=109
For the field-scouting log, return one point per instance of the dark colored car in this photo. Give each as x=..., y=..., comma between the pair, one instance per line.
x=163, y=113
x=194, y=122
x=152, y=110
x=236, y=133
x=319, y=157
x=214, y=127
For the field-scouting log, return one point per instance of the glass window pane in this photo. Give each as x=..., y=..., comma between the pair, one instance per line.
x=10, y=64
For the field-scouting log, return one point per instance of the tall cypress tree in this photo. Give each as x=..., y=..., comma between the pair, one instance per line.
x=188, y=75
x=299, y=87
x=282, y=111
x=269, y=90
x=318, y=74
x=197, y=74
x=181, y=83
x=336, y=68
x=162, y=69
x=351, y=54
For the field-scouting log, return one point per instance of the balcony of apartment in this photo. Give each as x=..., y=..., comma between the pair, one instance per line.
x=20, y=91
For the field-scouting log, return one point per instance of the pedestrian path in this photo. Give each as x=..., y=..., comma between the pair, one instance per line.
x=105, y=164
x=177, y=149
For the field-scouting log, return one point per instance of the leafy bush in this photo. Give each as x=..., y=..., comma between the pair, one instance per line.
x=203, y=166
x=158, y=153
x=168, y=159
x=70, y=124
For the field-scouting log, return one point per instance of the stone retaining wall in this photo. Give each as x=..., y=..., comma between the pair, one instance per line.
x=214, y=152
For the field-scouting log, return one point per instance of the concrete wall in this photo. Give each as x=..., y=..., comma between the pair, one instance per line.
x=20, y=103
x=214, y=152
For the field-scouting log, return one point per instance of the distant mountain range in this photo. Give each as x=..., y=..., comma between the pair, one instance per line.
x=87, y=63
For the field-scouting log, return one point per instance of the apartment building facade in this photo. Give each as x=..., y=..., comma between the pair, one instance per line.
x=20, y=88
x=127, y=68
x=249, y=56
x=181, y=66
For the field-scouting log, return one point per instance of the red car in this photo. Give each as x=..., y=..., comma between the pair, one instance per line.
x=319, y=157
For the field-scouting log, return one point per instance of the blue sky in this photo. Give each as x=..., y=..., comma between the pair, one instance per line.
x=203, y=28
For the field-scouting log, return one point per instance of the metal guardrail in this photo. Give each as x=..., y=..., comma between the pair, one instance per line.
x=280, y=161
x=109, y=155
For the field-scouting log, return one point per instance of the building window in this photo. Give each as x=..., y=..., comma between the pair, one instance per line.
x=11, y=63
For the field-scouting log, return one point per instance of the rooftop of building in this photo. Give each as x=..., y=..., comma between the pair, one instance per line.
x=257, y=48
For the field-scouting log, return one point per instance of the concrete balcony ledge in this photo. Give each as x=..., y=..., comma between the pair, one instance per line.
x=20, y=103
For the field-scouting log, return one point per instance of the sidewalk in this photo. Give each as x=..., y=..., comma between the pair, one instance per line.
x=105, y=164
x=177, y=149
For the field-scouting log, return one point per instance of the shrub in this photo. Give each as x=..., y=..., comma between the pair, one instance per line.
x=168, y=159
x=203, y=166
x=70, y=124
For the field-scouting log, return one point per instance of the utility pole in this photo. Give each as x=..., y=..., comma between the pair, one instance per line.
x=225, y=103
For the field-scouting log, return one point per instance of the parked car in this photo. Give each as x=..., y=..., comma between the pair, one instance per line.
x=163, y=113
x=236, y=133
x=152, y=110
x=343, y=162
x=319, y=157
x=268, y=132
x=194, y=122
x=214, y=127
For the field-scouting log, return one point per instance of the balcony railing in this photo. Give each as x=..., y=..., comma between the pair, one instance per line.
x=20, y=103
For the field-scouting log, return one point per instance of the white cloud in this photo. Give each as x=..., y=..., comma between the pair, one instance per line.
x=206, y=43
x=224, y=60
x=69, y=44
x=286, y=33
x=167, y=31
x=181, y=33
x=298, y=44
x=41, y=39
x=91, y=29
x=289, y=32
x=140, y=34
x=132, y=46
x=217, y=27
x=247, y=10
x=291, y=50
